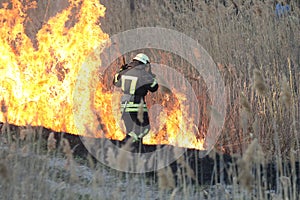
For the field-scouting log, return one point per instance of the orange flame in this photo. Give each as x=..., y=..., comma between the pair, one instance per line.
x=176, y=127
x=37, y=82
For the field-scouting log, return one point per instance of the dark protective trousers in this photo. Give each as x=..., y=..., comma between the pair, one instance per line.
x=133, y=124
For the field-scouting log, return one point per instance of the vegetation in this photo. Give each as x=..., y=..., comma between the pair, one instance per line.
x=258, y=56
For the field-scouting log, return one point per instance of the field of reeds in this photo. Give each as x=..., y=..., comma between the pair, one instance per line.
x=258, y=56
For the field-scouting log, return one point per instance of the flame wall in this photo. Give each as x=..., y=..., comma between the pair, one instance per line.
x=39, y=74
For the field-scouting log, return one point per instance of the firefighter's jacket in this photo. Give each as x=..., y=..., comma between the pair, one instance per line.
x=135, y=83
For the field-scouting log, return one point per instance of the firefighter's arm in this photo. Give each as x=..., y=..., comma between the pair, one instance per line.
x=117, y=77
x=154, y=85
x=150, y=71
x=151, y=79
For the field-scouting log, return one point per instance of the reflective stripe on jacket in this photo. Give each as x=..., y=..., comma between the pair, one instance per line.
x=133, y=107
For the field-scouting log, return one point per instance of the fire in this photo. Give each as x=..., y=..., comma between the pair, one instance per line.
x=176, y=127
x=37, y=80
x=37, y=83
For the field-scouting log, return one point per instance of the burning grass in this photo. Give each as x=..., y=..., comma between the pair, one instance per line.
x=253, y=50
x=42, y=74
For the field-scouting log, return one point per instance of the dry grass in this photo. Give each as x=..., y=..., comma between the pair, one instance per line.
x=258, y=56
x=254, y=52
x=41, y=173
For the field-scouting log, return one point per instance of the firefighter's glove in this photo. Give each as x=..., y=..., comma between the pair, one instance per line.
x=142, y=135
x=124, y=67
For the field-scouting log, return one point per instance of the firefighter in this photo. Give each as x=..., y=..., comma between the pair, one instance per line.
x=135, y=80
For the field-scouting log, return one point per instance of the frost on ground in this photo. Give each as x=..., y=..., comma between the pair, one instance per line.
x=27, y=171
x=30, y=175
x=27, y=175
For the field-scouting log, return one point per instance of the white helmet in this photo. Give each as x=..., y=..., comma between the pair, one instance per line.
x=142, y=58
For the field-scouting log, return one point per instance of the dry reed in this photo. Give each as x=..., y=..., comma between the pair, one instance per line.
x=240, y=35
x=141, y=112
x=51, y=142
x=286, y=95
x=166, y=179
x=252, y=157
x=259, y=83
